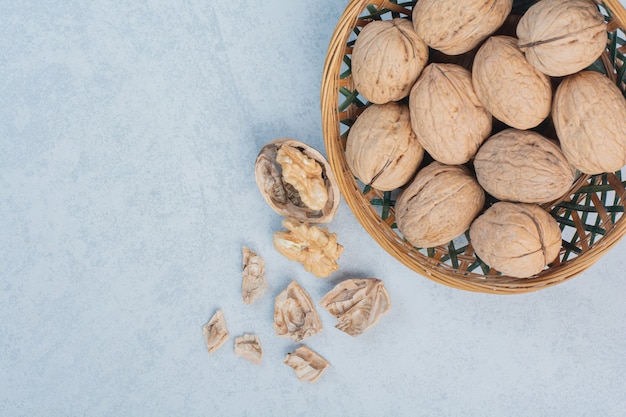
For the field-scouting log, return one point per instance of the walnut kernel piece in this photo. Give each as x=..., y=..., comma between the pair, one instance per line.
x=305, y=174
x=282, y=196
x=357, y=303
x=314, y=247
x=307, y=364
x=248, y=347
x=215, y=332
x=295, y=315
x=254, y=281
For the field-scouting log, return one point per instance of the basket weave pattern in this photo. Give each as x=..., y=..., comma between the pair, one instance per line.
x=590, y=216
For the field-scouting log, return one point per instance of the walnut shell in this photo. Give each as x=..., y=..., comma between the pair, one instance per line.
x=516, y=239
x=561, y=37
x=387, y=59
x=306, y=363
x=295, y=315
x=454, y=27
x=589, y=115
x=282, y=196
x=382, y=149
x=521, y=165
x=439, y=205
x=448, y=119
x=511, y=89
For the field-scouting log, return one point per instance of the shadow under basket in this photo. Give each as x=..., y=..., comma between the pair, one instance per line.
x=590, y=215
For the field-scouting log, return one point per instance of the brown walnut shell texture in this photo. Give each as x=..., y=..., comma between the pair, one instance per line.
x=517, y=239
x=454, y=27
x=387, y=59
x=561, y=37
x=509, y=87
x=382, y=150
x=446, y=115
x=589, y=114
x=523, y=166
x=282, y=197
x=438, y=205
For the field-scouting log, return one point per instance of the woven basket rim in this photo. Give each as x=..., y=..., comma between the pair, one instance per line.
x=381, y=232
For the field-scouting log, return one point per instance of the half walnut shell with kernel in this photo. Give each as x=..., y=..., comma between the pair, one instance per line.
x=297, y=181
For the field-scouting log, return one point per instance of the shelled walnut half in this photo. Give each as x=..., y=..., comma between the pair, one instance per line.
x=296, y=181
x=295, y=315
x=314, y=247
x=357, y=303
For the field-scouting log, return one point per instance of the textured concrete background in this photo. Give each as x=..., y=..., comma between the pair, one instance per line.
x=128, y=134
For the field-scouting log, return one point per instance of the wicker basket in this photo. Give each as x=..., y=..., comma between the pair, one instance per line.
x=591, y=216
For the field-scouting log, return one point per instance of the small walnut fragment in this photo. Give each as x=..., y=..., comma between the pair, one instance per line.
x=357, y=303
x=295, y=315
x=314, y=247
x=248, y=347
x=215, y=332
x=254, y=281
x=307, y=364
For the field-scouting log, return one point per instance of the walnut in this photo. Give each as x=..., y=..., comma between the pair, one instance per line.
x=314, y=247
x=382, y=149
x=295, y=315
x=523, y=166
x=358, y=304
x=438, y=205
x=589, y=115
x=454, y=27
x=248, y=347
x=517, y=239
x=511, y=89
x=561, y=37
x=254, y=282
x=387, y=59
x=300, y=185
x=446, y=115
x=307, y=364
x=215, y=332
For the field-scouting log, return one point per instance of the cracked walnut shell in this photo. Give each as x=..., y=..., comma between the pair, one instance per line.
x=382, y=150
x=254, y=282
x=454, y=27
x=387, y=58
x=357, y=303
x=248, y=347
x=295, y=315
x=446, y=115
x=517, y=239
x=307, y=364
x=438, y=205
x=296, y=181
x=561, y=37
x=589, y=113
x=509, y=87
x=215, y=332
x=312, y=246
x=523, y=166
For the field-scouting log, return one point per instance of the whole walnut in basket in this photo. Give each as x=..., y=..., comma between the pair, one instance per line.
x=561, y=37
x=447, y=117
x=382, y=150
x=589, y=113
x=522, y=165
x=511, y=89
x=454, y=27
x=387, y=59
x=516, y=239
x=438, y=205
x=296, y=181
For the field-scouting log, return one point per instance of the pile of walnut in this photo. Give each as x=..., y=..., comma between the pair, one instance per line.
x=439, y=107
x=296, y=181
